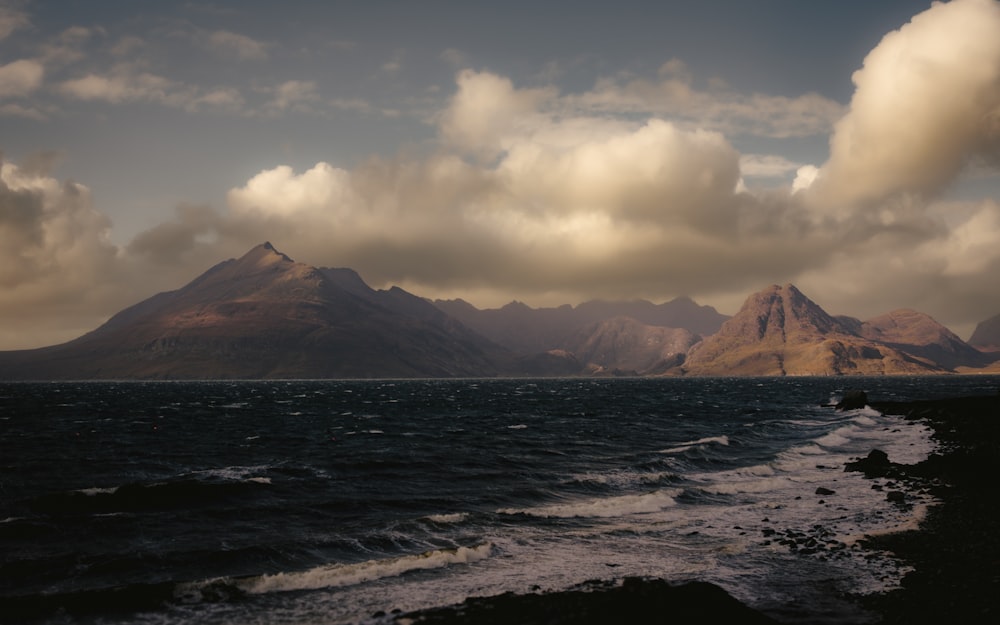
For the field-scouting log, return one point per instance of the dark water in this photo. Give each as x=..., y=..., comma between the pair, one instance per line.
x=328, y=501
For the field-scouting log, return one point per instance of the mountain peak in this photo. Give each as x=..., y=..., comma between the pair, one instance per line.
x=780, y=331
x=263, y=255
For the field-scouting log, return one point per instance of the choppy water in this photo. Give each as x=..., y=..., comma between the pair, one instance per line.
x=330, y=501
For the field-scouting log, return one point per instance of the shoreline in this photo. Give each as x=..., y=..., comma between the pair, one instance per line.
x=954, y=551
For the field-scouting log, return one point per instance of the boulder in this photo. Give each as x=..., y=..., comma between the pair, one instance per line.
x=853, y=400
x=876, y=464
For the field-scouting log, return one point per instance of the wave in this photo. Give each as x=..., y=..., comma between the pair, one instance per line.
x=456, y=517
x=710, y=440
x=607, y=507
x=331, y=576
x=624, y=478
x=155, y=496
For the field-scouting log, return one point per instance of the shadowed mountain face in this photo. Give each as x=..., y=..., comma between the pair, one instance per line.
x=987, y=335
x=266, y=316
x=521, y=328
x=622, y=345
x=779, y=331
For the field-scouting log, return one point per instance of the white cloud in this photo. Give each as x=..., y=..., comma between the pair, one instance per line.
x=56, y=264
x=805, y=176
x=487, y=109
x=125, y=84
x=123, y=87
x=766, y=165
x=927, y=101
x=20, y=78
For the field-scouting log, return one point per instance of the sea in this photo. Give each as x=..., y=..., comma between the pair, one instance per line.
x=341, y=502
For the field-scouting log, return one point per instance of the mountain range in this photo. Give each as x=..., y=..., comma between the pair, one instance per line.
x=265, y=316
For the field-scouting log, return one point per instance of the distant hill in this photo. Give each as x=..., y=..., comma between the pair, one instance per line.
x=780, y=331
x=921, y=336
x=986, y=336
x=624, y=346
x=266, y=316
x=523, y=329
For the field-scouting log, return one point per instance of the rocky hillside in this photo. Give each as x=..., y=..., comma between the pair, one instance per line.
x=266, y=316
x=780, y=331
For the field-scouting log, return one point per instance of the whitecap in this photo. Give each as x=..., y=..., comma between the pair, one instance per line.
x=93, y=492
x=604, y=507
x=682, y=447
x=455, y=517
x=340, y=575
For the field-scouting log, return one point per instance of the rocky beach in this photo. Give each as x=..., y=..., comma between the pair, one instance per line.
x=954, y=554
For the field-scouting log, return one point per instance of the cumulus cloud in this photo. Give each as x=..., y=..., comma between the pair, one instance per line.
x=20, y=78
x=56, y=264
x=927, y=100
x=573, y=206
x=487, y=109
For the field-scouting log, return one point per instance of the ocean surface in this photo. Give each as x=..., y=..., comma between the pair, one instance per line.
x=336, y=501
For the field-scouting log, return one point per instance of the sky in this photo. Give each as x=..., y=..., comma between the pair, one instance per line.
x=543, y=152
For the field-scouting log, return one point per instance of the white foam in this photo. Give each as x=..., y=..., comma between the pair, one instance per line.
x=718, y=440
x=622, y=479
x=238, y=474
x=93, y=492
x=339, y=575
x=604, y=507
x=455, y=517
x=519, y=426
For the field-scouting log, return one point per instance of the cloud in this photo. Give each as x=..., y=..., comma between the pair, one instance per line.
x=766, y=165
x=126, y=84
x=293, y=94
x=67, y=47
x=20, y=78
x=673, y=94
x=927, y=101
x=487, y=109
x=11, y=20
x=235, y=45
x=25, y=112
x=56, y=264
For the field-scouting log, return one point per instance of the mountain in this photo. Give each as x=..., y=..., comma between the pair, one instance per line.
x=622, y=345
x=266, y=316
x=523, y=329
x=922, y=337
x=780, y=331
x=986, y=336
